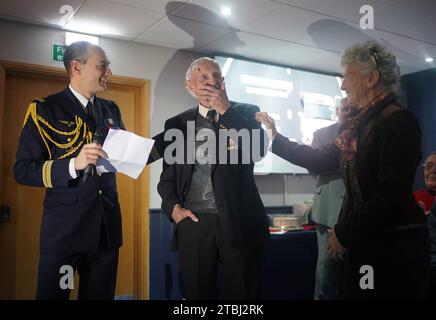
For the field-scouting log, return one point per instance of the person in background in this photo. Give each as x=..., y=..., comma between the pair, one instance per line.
x=425, y=198
x=81, y=222
x=381, y=232
x=327, y=203
x=431, y=217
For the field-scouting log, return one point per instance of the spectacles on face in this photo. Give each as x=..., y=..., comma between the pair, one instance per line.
x=429, y=165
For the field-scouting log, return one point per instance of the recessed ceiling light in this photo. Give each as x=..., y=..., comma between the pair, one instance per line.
x=429, y=59
x=226, y=11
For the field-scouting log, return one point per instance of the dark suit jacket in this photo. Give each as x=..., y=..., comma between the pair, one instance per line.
x=241, y=214
x=54, y=130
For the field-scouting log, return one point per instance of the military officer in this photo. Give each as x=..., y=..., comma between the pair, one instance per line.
x=59, y=144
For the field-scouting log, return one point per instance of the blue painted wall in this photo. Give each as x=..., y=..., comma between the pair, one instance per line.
x=420, y=88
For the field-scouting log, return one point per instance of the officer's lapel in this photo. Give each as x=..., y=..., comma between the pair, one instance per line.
x=76, y=106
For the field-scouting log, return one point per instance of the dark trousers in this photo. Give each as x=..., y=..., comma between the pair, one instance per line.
x=201, y=247
x=400, y=263
x=328, y=268
x=97, y=273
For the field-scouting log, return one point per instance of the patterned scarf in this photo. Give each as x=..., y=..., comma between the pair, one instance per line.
x=347, y=140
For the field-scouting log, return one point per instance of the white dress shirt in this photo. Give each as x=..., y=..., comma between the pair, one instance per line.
x=204, y=110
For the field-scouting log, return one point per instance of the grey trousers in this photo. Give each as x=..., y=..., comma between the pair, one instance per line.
x=328, y=269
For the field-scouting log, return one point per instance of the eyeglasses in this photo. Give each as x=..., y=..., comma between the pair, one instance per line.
x=428, y=165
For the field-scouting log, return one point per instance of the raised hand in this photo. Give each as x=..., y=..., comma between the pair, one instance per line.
x=214, y=97
x=268, y=122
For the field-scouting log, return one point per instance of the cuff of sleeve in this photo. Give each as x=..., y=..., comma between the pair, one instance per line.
x=277, y=141
x=72, y=171
x=55, y=173
x=169, y=205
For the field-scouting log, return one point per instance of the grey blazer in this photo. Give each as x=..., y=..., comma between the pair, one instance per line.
x=330, y=189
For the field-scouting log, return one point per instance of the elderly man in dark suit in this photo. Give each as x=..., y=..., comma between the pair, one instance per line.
x=214, y=202
x=81, y=223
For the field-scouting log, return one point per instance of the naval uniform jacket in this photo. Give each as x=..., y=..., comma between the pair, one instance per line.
x=54, y=131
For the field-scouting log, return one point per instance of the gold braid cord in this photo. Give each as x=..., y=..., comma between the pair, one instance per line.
x=42, y=125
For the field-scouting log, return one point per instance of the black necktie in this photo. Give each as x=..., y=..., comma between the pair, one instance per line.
x=211, y=114
x=90, y=111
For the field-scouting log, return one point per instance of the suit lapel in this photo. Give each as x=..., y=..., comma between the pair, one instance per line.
x=190, y=115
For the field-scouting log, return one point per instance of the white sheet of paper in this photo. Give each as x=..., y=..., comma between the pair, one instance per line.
x=127, y=153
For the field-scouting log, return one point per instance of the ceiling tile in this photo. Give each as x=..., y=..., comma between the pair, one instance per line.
x=286, y=23
x=181, y=33
x=346, y=10
x=425, y=33
x=154, y=5
x=284, y=53
x=45, y=12
x=253, y=47
x=244, y=44
x=404, y=15
x=242, y=11
x=345, y=34
x=113, y=20
x=310, y=58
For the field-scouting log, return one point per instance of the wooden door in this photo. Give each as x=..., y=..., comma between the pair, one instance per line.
x=19, y=238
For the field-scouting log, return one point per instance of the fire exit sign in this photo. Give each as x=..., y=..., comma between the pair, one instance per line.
x=58, y=52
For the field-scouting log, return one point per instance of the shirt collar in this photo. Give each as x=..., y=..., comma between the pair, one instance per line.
x=204, y=110
x=83, y=100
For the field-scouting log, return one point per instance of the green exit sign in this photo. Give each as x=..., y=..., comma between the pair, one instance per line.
x=58, y=52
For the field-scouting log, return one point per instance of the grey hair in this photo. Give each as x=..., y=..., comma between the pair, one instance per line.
x=197, y=62
x=371, y=56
